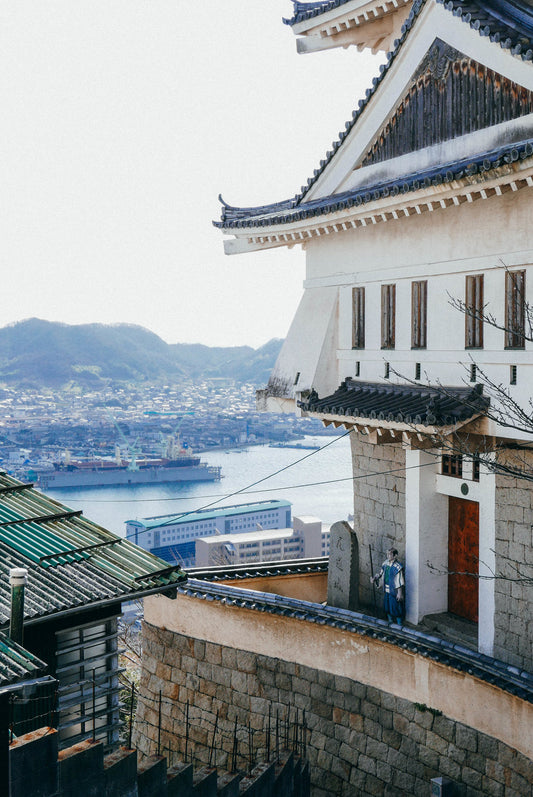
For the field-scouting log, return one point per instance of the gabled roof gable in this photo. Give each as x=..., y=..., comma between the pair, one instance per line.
x=432, y=36
x=450, y=95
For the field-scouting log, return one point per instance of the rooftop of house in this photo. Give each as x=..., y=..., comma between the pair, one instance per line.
x=72, y=562
x=17, y=664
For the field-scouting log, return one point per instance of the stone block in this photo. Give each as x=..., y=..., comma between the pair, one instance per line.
x=444, y=727
x=372, y=728
x=466, y=738
x=377, y=750
x=366, y=764
x=471, y=778
x=436, y=743
x=492, y=788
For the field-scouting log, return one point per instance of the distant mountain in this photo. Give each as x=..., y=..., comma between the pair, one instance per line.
x=43, y=353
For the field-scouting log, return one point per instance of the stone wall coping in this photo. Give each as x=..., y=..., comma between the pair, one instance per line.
x=497, y=673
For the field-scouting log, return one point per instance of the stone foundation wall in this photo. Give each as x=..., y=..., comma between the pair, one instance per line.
x=359, y=740
x=513, y=639
x=379, y=505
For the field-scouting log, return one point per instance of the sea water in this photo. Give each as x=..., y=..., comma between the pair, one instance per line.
x=316, y=482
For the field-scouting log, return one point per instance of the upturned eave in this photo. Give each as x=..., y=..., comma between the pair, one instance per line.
x=510, y=177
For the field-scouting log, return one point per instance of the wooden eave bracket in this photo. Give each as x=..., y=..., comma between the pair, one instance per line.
x=409, y=435
x=511, y=177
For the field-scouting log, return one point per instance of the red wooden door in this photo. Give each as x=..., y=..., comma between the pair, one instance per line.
x=463, y=553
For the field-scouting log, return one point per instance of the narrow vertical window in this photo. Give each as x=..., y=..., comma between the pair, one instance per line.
x=358, y=318
x=419, y=293
x=388, y=316
x=515, y=309
x=474, y=312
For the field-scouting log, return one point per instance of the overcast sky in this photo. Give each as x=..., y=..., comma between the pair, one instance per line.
x=122, y=121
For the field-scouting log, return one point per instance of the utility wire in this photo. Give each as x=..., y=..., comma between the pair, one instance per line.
x=253, y=484
x=264, y=490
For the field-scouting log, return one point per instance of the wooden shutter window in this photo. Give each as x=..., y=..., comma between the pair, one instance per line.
x=515, y=309
x=388, y=316
x=474, y=312
x=358, y=318
x=419, y=293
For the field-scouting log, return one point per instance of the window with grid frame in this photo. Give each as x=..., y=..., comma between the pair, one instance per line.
x=358, y=318
x=388, y=316
x=515, y=309
x=474, y=312
x=419, y=294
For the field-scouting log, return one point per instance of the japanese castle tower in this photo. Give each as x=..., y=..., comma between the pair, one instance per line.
x=414, y=328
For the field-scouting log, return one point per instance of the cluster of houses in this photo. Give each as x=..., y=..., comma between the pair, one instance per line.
x=414, y=334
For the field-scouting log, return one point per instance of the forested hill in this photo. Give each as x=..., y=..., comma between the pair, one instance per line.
x=41, y=353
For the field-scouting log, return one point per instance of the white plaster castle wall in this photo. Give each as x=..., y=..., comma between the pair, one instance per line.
x=484, y=237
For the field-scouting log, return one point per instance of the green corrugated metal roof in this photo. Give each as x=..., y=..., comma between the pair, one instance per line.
x=82, y=560
x=17, y=663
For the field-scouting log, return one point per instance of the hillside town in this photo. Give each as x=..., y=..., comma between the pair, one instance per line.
x=395, y=657
x=38, y=428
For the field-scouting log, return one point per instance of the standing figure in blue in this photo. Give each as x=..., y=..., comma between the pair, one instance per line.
x=393, y=587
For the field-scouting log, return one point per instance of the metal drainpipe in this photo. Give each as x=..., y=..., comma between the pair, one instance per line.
x=18, y=578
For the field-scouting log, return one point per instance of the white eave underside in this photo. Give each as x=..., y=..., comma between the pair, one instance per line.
x=510, y=177
x=372, y=25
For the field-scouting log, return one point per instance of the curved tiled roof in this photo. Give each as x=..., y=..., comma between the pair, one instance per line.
x=303, y=11
x=296, y=567
x=508, y=23
x=511, y=679
x=283, y=212
x=411, y=404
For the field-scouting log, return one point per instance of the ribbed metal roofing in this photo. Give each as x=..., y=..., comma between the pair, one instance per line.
x=411, y=404
x=210, y=514
x=72, y=562
x=16, y=663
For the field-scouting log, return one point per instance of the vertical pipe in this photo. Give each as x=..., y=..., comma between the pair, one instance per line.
x=187, y=731
x=18, y=578
x=94, y=707
x=268, y=734
x=159, y=727
x=132, y=699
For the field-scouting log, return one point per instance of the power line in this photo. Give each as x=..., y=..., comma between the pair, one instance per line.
x=254, y=484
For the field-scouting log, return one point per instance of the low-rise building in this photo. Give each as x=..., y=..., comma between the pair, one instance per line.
x=309, y=537
x=173, y=537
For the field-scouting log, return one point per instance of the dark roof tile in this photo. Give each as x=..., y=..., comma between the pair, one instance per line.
x=411, y=404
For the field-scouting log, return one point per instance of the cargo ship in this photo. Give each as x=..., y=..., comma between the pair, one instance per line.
x=110, y=473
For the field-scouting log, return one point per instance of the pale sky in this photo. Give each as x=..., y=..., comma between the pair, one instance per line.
x=122, y=121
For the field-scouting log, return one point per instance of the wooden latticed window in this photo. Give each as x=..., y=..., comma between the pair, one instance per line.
x=358, y=318
x=515, y=309
x=388, y=316
x=474, y=312
x=452, y=465
x=419, y=295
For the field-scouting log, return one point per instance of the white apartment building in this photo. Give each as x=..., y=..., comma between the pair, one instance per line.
x=308, y=538
x=173, y=537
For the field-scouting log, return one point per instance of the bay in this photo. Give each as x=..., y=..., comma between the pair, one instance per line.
x=316, y=482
